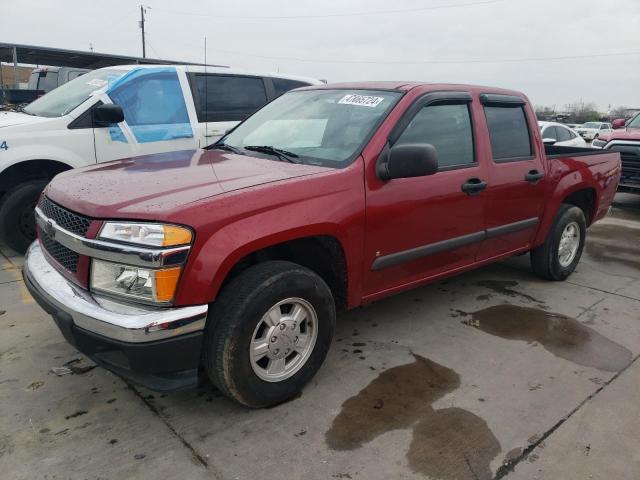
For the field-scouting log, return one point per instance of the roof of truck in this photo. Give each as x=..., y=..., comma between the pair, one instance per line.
x=406, y=86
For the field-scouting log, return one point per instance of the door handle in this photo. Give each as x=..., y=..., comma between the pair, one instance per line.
x=534, y=176
x=473, y=186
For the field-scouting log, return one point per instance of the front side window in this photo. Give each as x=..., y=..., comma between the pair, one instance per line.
x=508, y=132
x=153, y=105
x=320, y=127
x=226, y=98
x=446, y=127
x=563, y=134
x=550, y=133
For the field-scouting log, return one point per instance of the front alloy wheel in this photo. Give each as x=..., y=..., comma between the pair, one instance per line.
x=283, y=339
x=268, y=332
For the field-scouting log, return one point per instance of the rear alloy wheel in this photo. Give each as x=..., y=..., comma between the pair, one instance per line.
x=558, y=256
x=268, y=333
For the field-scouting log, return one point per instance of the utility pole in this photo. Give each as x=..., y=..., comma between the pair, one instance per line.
x=141, y=23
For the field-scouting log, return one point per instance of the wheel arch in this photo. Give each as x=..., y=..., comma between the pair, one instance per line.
x=582, y=194
x=30, y=170
x=321, y=251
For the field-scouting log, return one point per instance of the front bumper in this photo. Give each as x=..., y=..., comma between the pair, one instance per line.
x=155, y=347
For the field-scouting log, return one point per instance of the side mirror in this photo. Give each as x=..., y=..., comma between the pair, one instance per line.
x=549, y=141
x=618, y=123
x=408, y=160
x=107, y=114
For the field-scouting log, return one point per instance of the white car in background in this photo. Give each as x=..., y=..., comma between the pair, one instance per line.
x=591, y=130
x=120, y=112
x=558, y=134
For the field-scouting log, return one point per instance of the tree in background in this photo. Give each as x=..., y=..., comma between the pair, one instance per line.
x=581, y=112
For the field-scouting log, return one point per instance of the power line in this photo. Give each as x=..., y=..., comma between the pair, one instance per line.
x=334, y=15
x=435, y=62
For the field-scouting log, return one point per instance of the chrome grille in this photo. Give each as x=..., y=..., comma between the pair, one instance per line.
x=68, y=220
x=61, y=254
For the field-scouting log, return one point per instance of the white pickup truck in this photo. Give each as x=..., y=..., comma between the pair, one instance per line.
x=119, y=112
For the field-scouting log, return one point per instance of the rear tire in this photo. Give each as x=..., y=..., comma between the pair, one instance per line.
x=17, y=219
x=558, y=256
x=258, y=351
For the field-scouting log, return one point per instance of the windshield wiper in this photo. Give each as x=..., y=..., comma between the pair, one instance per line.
x=282, y=154
x=224, y=146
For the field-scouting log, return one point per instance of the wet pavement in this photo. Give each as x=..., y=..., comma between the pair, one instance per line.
x=491, y=374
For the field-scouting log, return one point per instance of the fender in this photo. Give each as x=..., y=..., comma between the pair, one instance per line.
x=571, y=178
x=337, y=213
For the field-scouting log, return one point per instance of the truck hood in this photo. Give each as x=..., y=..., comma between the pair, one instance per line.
x=151, y=187
x=9, y=119
x=622, y=134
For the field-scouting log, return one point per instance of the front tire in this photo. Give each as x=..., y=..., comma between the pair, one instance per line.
x=559, y=255
x=268, y=333
x=17, y=220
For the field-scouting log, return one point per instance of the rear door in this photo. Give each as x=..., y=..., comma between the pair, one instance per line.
x=517, y=183
x=418, y=228
x=224, y=100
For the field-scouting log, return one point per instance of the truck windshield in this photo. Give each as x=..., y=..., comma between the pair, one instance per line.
x=62, y=100
x=320, y=127
x=635, y=122
x=591, y=125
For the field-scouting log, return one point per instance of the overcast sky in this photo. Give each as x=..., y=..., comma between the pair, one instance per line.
x=478, y=41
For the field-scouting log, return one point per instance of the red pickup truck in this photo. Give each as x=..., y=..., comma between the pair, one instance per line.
x=233, y=261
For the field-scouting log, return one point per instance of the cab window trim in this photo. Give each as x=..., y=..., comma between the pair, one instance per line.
x=452, y=97
x=508, y=101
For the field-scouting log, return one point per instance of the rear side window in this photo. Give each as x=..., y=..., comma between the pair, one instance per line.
x=508, y=132
x=283, y=85
x=448, y=129
x=226, y=98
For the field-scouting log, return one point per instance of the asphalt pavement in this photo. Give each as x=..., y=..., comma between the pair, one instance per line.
x=490, y=374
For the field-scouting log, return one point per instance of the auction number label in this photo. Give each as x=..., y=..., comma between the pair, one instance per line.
x=361, y=100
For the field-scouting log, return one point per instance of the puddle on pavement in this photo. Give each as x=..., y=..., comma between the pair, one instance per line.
x=563, y=336
x=451, y=443
x=614, y=244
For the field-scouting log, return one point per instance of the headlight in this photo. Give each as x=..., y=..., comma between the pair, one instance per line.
x=156, y=286
x=150, y=234
x=598, y=143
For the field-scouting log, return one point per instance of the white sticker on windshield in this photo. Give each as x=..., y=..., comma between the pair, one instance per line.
x=361, y=100
x=97, y=82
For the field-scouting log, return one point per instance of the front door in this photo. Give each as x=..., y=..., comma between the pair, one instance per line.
x=517, y=177
x=419, y=228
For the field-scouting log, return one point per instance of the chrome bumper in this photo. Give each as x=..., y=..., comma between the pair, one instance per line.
x=103, y=316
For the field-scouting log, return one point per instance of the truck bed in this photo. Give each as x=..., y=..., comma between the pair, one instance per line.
x=558, y=151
